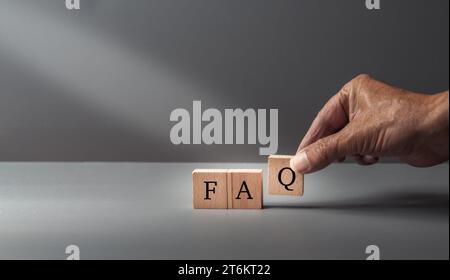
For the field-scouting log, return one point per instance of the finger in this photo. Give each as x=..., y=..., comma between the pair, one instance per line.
x=366, y=159
x=331, y=118
x=322, y=153
x=369, y=160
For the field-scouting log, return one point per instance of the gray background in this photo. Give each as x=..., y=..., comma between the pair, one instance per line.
x=99, y=84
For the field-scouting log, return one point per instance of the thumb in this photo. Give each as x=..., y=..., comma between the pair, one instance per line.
x=321, y=153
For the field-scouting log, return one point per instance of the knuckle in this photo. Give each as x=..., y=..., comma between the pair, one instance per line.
x=362, y=77
x=356, y=85
x=361, y=80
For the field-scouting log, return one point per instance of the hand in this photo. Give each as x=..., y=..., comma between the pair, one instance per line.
x=368, y=119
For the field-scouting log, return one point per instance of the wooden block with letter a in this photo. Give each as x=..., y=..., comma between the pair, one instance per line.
x=282, y=179
x=245, y=188
x=210, y=188
x=227, y=188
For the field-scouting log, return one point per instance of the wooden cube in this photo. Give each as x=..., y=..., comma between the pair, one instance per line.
x=245, y=188
x=210, y=188
x=282, y=179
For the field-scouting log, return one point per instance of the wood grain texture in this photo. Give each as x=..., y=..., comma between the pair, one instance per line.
x=209, y=188
x=246, y=188
x=282, y=179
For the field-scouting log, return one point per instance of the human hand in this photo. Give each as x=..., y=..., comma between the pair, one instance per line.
x=369, y=119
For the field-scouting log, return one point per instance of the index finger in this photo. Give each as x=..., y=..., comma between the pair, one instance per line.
x=331, y=118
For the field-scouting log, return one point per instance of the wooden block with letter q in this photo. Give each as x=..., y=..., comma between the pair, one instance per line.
x=282, y=179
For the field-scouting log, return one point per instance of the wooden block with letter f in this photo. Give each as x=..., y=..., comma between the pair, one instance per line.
x=210, y=188
x=227, y=188
x=282, y=179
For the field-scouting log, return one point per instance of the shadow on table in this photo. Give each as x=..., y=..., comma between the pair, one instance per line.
x=417, y=204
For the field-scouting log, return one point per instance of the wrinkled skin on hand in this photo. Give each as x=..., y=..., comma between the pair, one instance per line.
x=369, y=119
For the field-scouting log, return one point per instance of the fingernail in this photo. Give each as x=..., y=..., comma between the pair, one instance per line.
x=300, y=163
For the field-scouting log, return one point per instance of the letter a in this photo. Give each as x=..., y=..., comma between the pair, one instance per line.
x=73, y=4
x=244, y=186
